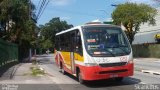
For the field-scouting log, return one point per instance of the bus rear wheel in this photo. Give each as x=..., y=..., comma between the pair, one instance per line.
x=62, y=69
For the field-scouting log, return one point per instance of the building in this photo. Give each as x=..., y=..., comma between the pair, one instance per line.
x=147, y=32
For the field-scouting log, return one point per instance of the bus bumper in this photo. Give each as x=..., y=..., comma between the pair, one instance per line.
x=98, y=73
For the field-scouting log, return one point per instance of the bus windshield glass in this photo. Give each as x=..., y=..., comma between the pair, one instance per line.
x=105, y=41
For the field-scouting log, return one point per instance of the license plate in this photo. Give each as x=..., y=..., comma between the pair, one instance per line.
x=113, y=75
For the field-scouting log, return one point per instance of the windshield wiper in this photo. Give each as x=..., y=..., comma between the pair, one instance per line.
x=123, y=50
x=110, y=52
x=120, y=47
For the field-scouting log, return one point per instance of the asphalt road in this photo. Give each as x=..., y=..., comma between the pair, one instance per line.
x=147, y=64
x=68, y=82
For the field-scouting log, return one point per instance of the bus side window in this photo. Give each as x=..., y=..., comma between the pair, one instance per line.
x=72, y=41
x=62, y=43
x=67, y=42
x=57, y=42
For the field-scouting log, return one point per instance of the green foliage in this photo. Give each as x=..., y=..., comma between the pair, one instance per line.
x=36, y=71
x=132, y=15
x=48, y=31
x=146, y=50
x=15, y=21
x=16, y=24
x=46, y=44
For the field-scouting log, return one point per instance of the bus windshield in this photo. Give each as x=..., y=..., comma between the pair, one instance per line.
x=105, y=41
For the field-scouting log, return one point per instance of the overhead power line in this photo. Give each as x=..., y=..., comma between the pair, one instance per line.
x=38, y=4
x=43, y=4
x=40, y=8
x=43, y=9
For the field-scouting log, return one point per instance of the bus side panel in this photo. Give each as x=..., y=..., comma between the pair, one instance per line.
x=78, y=57
x=56, y=58
x=66, y=58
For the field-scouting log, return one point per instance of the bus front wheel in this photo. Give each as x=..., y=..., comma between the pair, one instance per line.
x=80, y=79
x=119, y=79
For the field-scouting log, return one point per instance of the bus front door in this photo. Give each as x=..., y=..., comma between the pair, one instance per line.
x=72, y=57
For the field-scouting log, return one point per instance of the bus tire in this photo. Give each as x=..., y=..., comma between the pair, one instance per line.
x=81, y=81
x=62, y=69
x=119, y=79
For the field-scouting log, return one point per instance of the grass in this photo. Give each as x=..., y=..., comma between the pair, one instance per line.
x=36, y=71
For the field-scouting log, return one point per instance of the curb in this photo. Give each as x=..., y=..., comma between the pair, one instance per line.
x=151, y=72
x=6, y=68
x=14, y=70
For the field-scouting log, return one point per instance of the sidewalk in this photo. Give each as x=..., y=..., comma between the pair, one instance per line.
x=148, y=59
x=148, y=65
x=21, y=74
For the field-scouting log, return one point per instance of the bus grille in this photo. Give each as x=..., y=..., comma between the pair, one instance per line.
x=115, y=71
x=113, y=64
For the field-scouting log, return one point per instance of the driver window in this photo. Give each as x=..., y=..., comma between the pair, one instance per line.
x=78, y=44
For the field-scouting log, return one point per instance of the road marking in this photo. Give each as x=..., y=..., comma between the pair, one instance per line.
x=142, y=83
x=151, y=72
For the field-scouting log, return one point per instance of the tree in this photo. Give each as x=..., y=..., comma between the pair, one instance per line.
x=132, y=15
x=14, y=19
x=17, y=25
x=48, y=31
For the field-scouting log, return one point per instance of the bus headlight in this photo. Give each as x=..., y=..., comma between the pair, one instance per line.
x=91, y=64
x=130, y=61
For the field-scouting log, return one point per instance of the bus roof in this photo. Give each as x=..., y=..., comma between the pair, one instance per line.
x=87, y=25
x=73, y=28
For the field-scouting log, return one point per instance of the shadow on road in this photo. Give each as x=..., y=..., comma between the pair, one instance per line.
x=112, y=82
x=127, y=84
x=128, y=81
x=5, y=68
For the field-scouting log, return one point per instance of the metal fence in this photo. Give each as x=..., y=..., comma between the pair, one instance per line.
x=8, y=53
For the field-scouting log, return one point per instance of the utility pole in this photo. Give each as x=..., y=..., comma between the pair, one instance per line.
x=29, y=9
x=29, y=18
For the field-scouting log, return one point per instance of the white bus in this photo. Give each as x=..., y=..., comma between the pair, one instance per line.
x=94, y=52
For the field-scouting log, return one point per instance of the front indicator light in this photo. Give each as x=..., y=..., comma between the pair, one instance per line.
x=130, y=62
x=91, y=64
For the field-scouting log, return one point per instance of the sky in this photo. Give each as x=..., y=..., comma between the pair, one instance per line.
x=78, y=12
